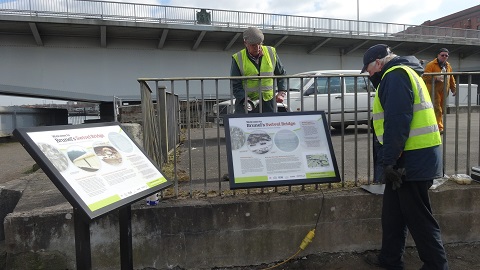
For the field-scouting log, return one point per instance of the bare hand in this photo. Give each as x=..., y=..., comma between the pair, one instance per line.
x=280, y=97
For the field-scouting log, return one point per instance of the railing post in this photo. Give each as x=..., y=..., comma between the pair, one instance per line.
x=14, y=119
x=116, y=108
x=251, y=19
x=162, y=120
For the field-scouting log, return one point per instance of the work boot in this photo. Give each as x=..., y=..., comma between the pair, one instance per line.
x=372, y=259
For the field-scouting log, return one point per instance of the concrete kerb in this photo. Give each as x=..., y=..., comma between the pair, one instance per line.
x=10, y=194
x=220, y=231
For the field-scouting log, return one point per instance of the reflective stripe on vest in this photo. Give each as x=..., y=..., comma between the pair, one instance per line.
x=423, y=128
x=267, y=67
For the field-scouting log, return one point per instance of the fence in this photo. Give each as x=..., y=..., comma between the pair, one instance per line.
x=132, y=12
x=201, y=163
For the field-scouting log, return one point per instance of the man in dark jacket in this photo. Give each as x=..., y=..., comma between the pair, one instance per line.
x=409, y=153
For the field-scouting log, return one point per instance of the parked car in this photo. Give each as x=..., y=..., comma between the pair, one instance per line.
x=228, y=107
x=341, y=88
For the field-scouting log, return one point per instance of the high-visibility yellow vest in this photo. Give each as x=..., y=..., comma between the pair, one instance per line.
x=267, y=67
x=423, y=128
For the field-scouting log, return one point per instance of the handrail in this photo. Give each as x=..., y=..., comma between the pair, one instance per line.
x=147, y=13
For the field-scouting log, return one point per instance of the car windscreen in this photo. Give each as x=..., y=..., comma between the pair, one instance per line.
x=295, y=84
x=333, y=85
x=323, y=85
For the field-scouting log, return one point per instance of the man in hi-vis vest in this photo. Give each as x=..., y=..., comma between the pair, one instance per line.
x=257, y=60
x=409, y=153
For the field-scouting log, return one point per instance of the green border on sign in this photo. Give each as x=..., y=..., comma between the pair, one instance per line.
x=251, y=179
x=107, y=201
x=157, y=182
x=320, y=174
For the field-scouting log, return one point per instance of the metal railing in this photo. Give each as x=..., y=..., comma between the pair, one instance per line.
x=201, y=154
x=132, y=12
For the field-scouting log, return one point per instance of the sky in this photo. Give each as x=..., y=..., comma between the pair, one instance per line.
x=413, y=12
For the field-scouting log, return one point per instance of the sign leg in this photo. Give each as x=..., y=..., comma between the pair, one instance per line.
x=125, y=219
x=82, y=241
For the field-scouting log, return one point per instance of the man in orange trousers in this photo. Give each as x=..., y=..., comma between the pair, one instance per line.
x=439, y=64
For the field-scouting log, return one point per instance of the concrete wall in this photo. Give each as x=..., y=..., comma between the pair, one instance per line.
x=82, y=67
x=220, y=231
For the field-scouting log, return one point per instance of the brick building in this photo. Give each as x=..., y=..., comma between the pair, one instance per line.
x=466, y=19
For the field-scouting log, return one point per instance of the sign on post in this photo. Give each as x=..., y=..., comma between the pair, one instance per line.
x=279, y=149
x=97, y=167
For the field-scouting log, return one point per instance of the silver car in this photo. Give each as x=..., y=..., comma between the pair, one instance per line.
x=340, y=93
x=340, y=88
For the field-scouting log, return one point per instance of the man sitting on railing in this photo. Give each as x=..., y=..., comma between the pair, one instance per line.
x=256, y=60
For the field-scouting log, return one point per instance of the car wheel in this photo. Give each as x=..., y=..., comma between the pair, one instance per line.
x=250, y=106
x=338, y=126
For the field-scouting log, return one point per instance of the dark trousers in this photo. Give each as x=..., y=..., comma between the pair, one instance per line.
x=377, y=156
x=409, y=207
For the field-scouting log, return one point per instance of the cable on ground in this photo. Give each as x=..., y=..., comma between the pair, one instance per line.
x=306, y=241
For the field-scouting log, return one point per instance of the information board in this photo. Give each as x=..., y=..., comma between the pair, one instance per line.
x=97, y=167
x=276, y=149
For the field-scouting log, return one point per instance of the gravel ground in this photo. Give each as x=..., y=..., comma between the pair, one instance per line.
x=460, y=257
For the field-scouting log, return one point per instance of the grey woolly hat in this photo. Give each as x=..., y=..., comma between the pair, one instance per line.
x=253, y=35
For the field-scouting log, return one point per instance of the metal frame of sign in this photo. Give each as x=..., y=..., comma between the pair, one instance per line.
x=279, y=149
x=78, y=157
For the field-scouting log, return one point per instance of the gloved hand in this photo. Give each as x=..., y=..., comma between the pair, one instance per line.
x=392, y=175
